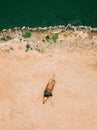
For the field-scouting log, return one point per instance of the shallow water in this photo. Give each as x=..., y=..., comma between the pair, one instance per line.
x=36, y=13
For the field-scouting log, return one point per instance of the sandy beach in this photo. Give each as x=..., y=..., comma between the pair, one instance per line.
x=24, y=75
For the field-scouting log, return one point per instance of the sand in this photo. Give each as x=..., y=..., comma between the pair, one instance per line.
x=24, y=76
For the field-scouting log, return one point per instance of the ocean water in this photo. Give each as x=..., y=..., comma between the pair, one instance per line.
x=35, y=13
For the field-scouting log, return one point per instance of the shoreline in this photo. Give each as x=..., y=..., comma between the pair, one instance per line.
x=49, y=39
x=60, y=27
x=68, y=36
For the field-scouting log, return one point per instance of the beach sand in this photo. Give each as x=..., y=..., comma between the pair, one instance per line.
x=24, y=76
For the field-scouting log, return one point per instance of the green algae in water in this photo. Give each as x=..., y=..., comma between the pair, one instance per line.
x=27, y=35
x=55, y=37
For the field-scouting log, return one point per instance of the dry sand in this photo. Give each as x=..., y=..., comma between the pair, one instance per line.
x=23, y=77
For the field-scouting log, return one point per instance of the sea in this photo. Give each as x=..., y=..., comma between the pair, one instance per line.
x=44, y=13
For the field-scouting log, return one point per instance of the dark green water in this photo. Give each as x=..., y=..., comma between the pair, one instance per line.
x=36, y=13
